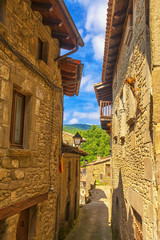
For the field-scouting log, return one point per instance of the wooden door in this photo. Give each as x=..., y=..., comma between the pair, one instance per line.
x=23, y=225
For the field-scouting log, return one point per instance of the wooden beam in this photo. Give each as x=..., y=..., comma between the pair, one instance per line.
x=115, y=26
x=120, y=13
x=68, y=75
x=67, y=69
x=52, y=22
x=20, y=206
x=116, y=36
x=37, y=6
x=67, y=46
x=60, y=35
x=113, y=47
x=112, y=55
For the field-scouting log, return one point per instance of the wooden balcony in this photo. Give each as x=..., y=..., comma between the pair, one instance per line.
x=105, y=114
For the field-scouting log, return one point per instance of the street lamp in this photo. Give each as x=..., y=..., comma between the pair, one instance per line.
x=77, y=139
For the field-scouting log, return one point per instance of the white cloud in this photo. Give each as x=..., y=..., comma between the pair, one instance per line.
x=98, y=46
x=88, y=115
x=87, y=83
x=96, y=16
x=66, y=115
x=87, y=38
x=81, y=32
x=83, y=2
x=73, y=121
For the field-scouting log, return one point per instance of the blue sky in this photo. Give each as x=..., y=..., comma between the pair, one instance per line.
x=90, y=19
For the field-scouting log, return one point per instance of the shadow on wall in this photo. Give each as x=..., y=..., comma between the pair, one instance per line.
x=122, y=218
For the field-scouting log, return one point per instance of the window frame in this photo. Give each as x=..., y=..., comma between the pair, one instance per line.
x=13, y=118
x=42, y=50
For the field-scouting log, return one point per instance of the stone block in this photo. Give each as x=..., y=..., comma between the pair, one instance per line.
x=150, y=212
x=37, y=106
x=148, y=171
x=39, y=93
x=6, y=163
x=136, y=201
x=13, y=196
x=5, y=87
x=11, y=227
x=17, y=174
x=15, y=163
x=146, y=98
x=4, y=71
x=157, y=138
x=3, y=173
x=133, y=140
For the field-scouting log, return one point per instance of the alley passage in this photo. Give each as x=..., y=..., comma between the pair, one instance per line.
x=92, y=223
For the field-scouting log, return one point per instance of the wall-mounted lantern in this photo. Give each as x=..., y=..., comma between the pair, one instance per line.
x=77, y=139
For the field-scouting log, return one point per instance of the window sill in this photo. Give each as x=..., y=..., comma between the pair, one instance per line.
x=16, y=152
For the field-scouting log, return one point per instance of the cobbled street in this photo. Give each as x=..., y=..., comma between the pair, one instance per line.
x=93, y=221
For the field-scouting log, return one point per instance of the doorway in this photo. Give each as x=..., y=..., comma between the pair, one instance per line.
x=23, y=225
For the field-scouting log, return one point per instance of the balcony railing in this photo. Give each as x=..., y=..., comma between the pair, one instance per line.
x=106, y=109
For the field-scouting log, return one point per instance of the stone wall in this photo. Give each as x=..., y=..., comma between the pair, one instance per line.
x=70, y=190
x=155, y=46
x=92, y=173
x=134, y=193
x=33, y=170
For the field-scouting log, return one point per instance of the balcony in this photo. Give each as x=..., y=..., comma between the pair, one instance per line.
x=105, y=114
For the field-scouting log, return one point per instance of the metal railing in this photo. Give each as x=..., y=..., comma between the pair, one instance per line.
x=105, y=109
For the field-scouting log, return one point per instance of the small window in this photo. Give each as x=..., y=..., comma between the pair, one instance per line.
x=77, y=168
x=17, y=119
x=42, y=53
x=67, y=211
x=2, y=10
x=69, y=171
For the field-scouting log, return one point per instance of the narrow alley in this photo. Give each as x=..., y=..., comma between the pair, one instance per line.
x=94, y=218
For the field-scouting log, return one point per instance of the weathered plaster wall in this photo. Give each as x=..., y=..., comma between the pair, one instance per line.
x=133, y=158
x=70, y=189
x=34, y=169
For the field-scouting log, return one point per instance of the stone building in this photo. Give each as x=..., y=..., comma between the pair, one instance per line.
x=33, y=79
x=70, y=185
x=129, y=102
x=96, y=172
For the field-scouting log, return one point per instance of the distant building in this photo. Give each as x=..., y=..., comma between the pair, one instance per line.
x=70, y=182
x=129, y=99
x=98, y=171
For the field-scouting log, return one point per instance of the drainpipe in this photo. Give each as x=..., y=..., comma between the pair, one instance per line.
x=69, y=53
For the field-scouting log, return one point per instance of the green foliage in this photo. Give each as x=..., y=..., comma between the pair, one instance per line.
x=76, y=128
x=98, y=142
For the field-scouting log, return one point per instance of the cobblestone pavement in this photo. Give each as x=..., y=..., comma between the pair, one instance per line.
x=92, y=223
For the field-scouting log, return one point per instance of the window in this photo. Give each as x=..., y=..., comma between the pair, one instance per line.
x=69, y=171
x=2, y=10
x=42, y=53
x=17, y=119
x=77, y=168
x=67, y=211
